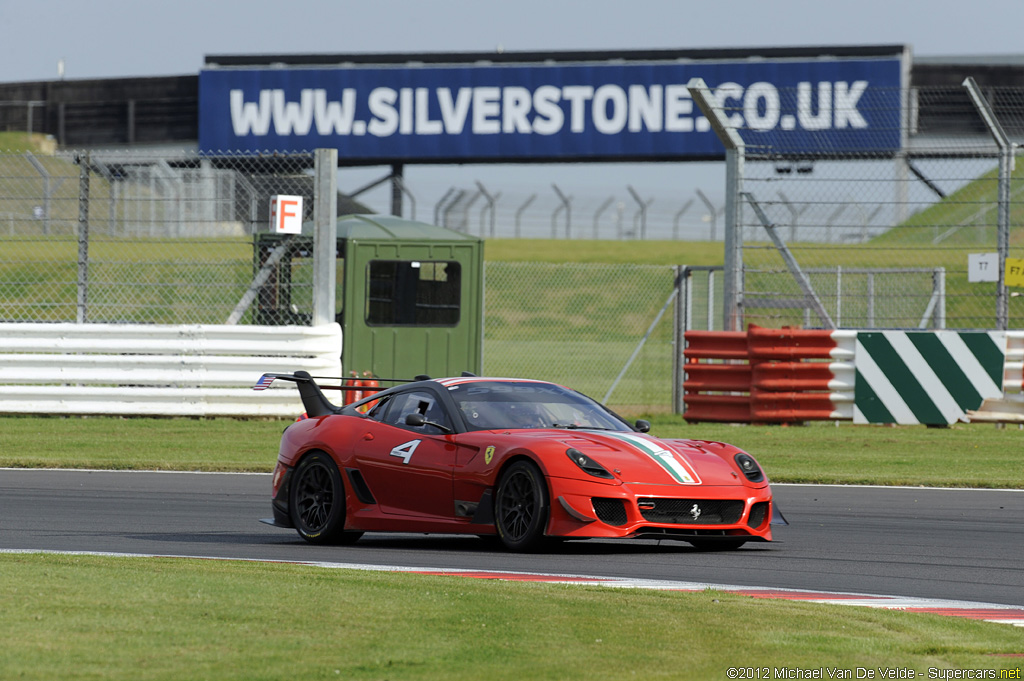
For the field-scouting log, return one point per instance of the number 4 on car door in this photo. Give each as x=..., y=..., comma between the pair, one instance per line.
x=404, y=452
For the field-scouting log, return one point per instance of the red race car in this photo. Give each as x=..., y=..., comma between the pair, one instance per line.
x=525, y=460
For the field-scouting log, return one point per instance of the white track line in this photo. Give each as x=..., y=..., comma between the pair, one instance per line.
x=989, y=612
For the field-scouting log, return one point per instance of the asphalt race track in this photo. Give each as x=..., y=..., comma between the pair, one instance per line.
x=925, y=543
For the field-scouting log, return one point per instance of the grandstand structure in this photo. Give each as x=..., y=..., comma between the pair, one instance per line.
x=162, y=113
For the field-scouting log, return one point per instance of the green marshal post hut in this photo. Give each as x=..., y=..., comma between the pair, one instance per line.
x=409, y=295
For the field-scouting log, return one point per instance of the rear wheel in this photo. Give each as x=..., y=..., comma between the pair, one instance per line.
x=521, y=507
x=317, y=502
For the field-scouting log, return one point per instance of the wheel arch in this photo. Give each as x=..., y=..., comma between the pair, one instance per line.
x=525, y=455
x=522, y=455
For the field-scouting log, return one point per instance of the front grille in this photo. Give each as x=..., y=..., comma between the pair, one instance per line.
x=691, y=511
x=757, y=514
x=611, y=511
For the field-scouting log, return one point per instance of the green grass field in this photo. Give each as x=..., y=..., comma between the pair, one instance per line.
x=185, y=619
x=974, y=455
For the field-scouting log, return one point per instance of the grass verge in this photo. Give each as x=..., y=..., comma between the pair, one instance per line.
x=174, y=619
x=962, y=455
x=975, y=455
x=140, y=444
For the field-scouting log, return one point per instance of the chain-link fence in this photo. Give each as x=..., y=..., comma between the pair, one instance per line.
x=144, y=239
x=131, y=238
x=581, y=324
x=877, y=235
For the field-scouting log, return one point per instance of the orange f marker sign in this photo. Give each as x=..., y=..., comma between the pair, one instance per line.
x=286, y=214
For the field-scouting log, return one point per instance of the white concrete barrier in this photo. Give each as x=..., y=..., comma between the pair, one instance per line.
x=154, y=370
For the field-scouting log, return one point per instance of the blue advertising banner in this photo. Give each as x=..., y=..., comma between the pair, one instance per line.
x=536, y=112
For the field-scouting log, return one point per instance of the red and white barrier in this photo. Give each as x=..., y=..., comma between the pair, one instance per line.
x=792, y=375
x=769, y=375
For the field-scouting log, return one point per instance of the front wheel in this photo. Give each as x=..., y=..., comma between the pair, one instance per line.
x=521, y=507
x=317, y=502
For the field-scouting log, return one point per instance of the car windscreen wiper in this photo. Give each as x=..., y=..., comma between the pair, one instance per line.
x=573, y=426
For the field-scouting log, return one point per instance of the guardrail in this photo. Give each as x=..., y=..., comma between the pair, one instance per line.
x=133, y=369
x=1009, y=408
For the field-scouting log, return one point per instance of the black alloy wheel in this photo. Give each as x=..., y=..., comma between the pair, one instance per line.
x=521, y=507
x=317, y=503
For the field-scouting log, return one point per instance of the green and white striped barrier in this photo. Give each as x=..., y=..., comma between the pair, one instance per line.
x=910, y=377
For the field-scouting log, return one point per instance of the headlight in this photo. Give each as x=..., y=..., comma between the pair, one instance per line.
x=588, y=465
x=749, y=467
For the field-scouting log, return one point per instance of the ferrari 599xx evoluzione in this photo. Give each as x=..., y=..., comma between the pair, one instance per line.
x=523, y=459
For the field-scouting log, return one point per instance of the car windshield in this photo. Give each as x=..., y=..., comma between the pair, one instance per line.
x=493, y=405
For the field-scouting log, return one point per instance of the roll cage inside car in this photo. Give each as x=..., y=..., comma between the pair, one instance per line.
x=486, y=405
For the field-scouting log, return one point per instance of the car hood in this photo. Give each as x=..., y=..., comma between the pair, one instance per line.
x=638, y=458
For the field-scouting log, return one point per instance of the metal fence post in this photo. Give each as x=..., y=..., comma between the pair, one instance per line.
x=735, y=153
x=440, y=204
x=566, y=203
x=1006, y=163
x=397, y=171
x=325, y=236
x=680, y=324
x=490, y=201
x=641, y=213
x=713, y=234
x=81, y=315
x=47, y=189
x=519, y=212
x=939, y=283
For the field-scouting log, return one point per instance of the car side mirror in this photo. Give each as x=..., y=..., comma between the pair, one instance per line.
x=416, y=420
x=643, y=426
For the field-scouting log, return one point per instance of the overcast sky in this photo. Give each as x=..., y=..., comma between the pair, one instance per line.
x=114, y=38
x=122, y=38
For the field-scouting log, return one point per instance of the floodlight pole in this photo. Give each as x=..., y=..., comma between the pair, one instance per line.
x=735, y=152
x=325, y=236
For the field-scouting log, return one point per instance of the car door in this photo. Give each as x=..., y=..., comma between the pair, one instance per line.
x=409, y=469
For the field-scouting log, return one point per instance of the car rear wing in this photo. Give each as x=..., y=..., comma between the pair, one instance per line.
x=312, y=393
x=312, y=396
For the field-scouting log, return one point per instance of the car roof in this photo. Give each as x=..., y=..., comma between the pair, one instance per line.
x=448, y=382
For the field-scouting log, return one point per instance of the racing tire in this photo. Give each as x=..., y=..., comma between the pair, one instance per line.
x=718, y=544
x=521, y=507
x=317, y=501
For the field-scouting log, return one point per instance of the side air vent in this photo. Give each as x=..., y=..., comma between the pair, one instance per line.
x=758, y=512
x=611, y=511
x=359, y=486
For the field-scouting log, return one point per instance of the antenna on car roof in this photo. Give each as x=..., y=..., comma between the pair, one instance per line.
x=469, y=374
x=312, y=398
